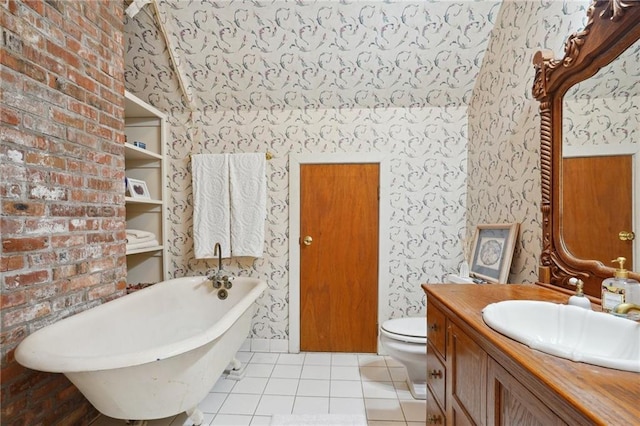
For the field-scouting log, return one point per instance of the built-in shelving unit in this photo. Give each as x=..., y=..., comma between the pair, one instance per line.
x=146, y=124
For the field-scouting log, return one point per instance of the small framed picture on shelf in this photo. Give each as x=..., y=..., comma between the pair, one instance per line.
x=492, y=251
x=137, y=188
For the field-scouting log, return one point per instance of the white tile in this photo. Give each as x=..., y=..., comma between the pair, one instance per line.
x=253, y=385
x=264, y=358
x=385, y=423
x=383, y=409
x=415, y=423
x=291, y=359
x=345, y=373
x=263, y=421
x=402, y=390
x=259, y=370
x=369, y=360
x=260, y=345
x=414, y=411
x=223, y=385
x=231, y=420
x=313, y=387
x=379, y=390
x=240, y=403
x=346, y=406
x=287, y=371
x=315, y=371
x=275, y=404
x=377, y=374
x=317, y=358
x=244, y=357
x=344, y=359
x=398, y=374
x=279, y=345
x=392, y=362
x=346, y=388
x=212, y=402
x=311, y=405
x=246, y=345
x=277, y=386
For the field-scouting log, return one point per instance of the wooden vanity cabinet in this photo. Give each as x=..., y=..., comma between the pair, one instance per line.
x=511, y=403
x=476, y=376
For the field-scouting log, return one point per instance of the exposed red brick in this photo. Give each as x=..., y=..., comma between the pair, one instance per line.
x=25, y=279
x=10, y=117
x=62, y=136
x=24, y=244
x=11, y=263
x=13, y=298
x=18, y=208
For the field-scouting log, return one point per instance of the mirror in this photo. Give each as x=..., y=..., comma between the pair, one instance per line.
x=612, y=28
x=601, y=156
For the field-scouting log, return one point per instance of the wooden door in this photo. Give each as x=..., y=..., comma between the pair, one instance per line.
x=339, y=267
x=597, y=203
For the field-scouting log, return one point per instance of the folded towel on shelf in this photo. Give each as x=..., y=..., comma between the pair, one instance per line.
x=139, y=236
x=144, y=244
x=248, y=189
x=211, y=204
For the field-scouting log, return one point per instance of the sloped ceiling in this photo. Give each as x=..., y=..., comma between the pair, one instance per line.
x=320, y=54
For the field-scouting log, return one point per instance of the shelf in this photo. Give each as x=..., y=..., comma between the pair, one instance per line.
x=145, y=123
x=134, y=153
x=132, y=200
x=145, y=250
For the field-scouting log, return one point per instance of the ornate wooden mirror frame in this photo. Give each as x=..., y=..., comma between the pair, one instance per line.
x=612, y=26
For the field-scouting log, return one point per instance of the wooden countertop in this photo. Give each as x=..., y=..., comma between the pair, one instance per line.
x=603, y=395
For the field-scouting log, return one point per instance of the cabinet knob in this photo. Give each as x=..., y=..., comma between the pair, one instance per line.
x=434, y=327
x=436, y=374
x=434, y=420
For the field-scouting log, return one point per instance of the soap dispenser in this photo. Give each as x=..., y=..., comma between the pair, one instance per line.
x=579, y=299
x=620, y=288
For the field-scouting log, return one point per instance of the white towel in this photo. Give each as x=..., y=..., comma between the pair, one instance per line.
x=248, y=185
x=144, y=244
x=138, y=236
x=211, y=207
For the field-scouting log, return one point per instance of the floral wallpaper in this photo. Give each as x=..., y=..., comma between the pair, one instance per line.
x=444, y=87
x=504, y=124
x=605, y=109
x=320, y=77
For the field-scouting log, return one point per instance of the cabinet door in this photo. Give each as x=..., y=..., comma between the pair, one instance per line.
x=436, y=332
x=510, y=403
x=468, y=379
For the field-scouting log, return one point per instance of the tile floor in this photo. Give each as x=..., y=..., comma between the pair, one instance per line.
x=307, y=383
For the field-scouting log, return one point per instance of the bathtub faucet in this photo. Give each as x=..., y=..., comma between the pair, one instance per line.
x=217, y=251
x=218, y=279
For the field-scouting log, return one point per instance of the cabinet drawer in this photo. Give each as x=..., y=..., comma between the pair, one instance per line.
x=436, y=377
x=435, y=415
x=436, y=330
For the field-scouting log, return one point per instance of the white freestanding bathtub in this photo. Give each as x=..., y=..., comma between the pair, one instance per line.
x=151, y=354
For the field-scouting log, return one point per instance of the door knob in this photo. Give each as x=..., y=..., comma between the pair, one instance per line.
x=307, y=240
x=626, y=235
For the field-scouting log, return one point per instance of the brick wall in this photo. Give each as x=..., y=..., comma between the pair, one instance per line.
x=61, y=187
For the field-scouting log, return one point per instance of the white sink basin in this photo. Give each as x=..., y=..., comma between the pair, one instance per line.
x=568, y=332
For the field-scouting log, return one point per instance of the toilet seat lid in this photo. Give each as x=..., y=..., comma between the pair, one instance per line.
x=409, y=327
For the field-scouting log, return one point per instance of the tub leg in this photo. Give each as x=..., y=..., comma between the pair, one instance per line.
x=196, y=416
x=237, y=370
x=137, y=422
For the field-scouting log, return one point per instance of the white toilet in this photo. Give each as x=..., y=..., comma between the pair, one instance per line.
x=405, y=340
